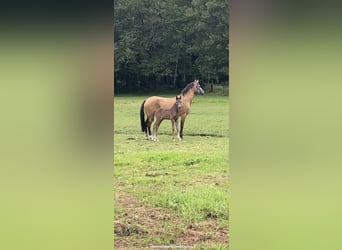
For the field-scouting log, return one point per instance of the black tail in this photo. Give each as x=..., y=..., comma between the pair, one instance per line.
x=142, y=117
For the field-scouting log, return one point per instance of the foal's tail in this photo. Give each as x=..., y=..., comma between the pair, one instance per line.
x=142, y=117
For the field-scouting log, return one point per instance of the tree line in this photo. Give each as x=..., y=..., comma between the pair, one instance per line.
x=165, y=44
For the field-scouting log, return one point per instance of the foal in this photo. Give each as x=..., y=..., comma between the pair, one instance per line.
x=168, y=114
x=153, y=103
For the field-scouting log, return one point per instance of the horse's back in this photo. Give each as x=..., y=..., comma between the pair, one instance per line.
x=160, y=100
x=157, y=102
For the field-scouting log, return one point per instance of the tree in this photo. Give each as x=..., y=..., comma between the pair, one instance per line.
x=162, y=43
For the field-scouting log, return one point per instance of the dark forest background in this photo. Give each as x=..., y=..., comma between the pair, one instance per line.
x=165, y=44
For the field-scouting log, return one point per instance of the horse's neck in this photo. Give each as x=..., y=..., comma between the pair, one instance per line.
x=188, y=96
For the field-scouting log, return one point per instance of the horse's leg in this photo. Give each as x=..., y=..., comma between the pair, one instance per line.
x=177, y=129
x=154, y=133
x=148, y=126
x=155, y=130
x=173, y=129
x=182, y=126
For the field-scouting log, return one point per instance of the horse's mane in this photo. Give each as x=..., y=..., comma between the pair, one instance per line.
x=187, y=88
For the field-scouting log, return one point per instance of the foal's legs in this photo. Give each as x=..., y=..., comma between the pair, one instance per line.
x=181, y=126
x=154, y=133
x=173, y=128
x=155, y=130
x=177, y=129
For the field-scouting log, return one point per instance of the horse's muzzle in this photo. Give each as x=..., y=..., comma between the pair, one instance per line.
x=200, y=91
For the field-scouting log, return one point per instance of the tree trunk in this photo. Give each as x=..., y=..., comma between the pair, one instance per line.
x=211, y=83
x=176, y=69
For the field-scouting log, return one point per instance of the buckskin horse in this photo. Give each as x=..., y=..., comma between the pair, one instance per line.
x=153, y=103
x=168, y=114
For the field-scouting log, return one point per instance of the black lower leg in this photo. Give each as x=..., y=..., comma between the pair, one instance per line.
x=181, y=130
x=146, y=127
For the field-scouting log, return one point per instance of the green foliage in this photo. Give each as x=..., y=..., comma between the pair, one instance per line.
x=169, y=42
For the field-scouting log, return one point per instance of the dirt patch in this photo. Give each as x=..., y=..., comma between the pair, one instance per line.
x=141, y=226
x=218, y=180
x=207, y=231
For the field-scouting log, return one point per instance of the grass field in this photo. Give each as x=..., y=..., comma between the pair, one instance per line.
x=171, y=192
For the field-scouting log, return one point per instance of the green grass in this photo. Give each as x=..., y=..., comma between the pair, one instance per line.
x=195, y=203
x=189, y=177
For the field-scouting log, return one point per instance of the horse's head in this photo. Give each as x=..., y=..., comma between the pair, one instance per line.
x=179, y=101
x=198, y=87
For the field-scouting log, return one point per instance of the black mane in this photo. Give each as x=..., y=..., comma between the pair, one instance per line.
x=187, y=87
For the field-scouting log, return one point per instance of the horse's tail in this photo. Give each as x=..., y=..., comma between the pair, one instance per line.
x=142, y=117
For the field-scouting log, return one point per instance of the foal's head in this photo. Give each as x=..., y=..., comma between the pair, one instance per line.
x=178, y=101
